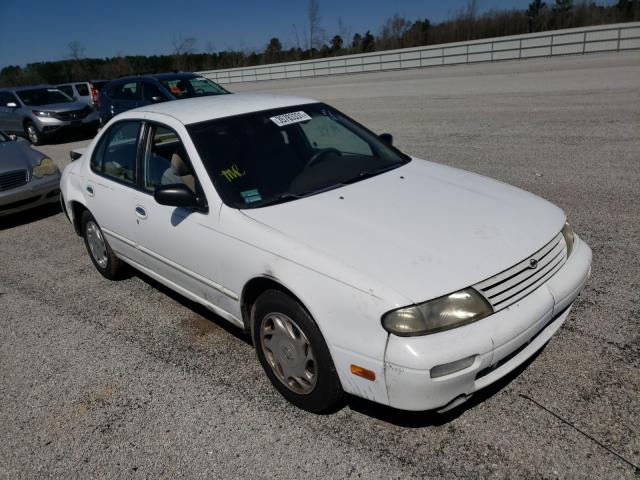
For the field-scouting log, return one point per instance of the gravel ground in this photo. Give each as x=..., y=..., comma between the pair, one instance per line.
x=126, y=379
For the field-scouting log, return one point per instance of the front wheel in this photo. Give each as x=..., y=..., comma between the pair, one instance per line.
x=33, y=134
x=293, y=353
x=105, y=261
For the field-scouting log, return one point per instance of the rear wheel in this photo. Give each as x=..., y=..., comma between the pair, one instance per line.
x=33, y=134
x=110, y=266
x=293, y=353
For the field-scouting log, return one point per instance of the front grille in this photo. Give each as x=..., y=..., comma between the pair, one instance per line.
x=511, y=285
x=13, y=179
x=73, y=114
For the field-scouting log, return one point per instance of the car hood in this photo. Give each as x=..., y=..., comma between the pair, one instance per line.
x=60, y=107
x=423, y=230
x=18, y=155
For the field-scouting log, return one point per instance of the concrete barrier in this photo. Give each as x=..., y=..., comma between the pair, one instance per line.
x=603, y=38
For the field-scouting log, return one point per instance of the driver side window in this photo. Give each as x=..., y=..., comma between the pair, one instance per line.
x=166, y=161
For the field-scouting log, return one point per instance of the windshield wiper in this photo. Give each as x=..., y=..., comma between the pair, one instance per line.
x=370, y=173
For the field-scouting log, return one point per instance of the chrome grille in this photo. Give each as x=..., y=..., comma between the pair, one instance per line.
x=13, y=179
x=511, y=285
x=73, y=114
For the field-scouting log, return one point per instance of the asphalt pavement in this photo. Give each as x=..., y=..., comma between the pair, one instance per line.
x=126, y=379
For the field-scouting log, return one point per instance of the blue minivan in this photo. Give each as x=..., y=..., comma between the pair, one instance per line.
x=130, y=92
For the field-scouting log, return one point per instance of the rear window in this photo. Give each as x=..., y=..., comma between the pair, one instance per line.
x=82, y=89
x=99, y=84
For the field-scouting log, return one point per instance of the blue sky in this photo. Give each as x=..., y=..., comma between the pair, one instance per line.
x=36, y=30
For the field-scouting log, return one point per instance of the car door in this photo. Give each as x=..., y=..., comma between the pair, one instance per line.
x=10, y=118
x=111, y=183
x=178, y=242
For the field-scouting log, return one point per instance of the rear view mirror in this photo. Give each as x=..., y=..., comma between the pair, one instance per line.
x=386, y=138
x=12, y=105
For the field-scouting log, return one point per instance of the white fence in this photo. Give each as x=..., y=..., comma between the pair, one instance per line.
x=604, y=38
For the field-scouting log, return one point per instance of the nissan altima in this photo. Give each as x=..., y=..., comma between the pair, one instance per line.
x=355, y=267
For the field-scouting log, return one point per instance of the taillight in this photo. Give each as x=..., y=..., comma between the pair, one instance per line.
x=94, y=94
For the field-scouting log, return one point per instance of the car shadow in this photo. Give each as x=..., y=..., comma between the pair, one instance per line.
x=402, y=418
x=196, y=308
x=27, y=216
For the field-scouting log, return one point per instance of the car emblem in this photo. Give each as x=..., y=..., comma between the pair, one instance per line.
x=533, y=263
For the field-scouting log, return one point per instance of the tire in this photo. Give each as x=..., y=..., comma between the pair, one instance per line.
x=105, y=261
x=293, y=353
x=32, y=133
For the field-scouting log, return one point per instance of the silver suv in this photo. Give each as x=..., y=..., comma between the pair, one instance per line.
x=86, y=92
x=42, y=111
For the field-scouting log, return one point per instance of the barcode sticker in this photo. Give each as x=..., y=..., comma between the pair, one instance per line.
x=289, y=118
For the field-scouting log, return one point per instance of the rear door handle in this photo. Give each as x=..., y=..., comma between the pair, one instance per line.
x=141, y=212
x=90, y=191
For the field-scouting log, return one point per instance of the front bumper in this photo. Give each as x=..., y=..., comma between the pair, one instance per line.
x=37, y=192
x=497, y=344
x=49, y=126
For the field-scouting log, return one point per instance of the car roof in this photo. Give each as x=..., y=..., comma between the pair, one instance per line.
x=157, y=76
x=26, y=87
x=201, y=109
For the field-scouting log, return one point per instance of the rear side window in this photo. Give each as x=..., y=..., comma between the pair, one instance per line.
x=115, y=156
x=82, y=89
x=152, y=93
x=66, y=89
x=125, y=91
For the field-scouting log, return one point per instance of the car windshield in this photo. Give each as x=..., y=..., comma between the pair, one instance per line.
x=275, y=156
x=192, y=87
x=43, y=96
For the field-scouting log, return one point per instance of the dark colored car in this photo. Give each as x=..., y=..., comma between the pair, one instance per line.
x=135, y=91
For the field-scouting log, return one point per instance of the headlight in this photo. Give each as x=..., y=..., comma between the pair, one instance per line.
x=45, y=167
x=443, y=313
x=42, y=113
x=567, y=233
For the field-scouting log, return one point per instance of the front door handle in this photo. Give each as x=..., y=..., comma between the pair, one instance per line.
x=141, y=212
x=90, y=191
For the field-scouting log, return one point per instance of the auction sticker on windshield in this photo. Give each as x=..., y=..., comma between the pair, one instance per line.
x=289, y=118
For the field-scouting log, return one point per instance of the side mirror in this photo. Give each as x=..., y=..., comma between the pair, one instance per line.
x=13, y=138
x=178, y=195
x=12, y=105
x=386, y=138
x=157, y=99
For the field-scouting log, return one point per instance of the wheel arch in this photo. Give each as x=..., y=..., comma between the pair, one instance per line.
x=256, y=287
x=77, y=209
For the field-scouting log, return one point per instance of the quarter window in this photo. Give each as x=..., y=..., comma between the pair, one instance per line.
x=115, y=155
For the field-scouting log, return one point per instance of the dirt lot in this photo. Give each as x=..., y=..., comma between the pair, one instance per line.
x=125, y=379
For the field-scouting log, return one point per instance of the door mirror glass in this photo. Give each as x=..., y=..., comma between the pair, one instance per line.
x=178, y=195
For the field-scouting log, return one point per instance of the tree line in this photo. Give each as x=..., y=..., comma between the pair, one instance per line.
x=396, y=32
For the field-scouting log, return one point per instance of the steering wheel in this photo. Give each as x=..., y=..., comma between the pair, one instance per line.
x=321, y=154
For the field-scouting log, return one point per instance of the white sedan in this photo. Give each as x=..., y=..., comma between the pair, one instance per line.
x=355, y=267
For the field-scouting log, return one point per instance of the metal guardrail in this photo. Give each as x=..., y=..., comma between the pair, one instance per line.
x=617, y=37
